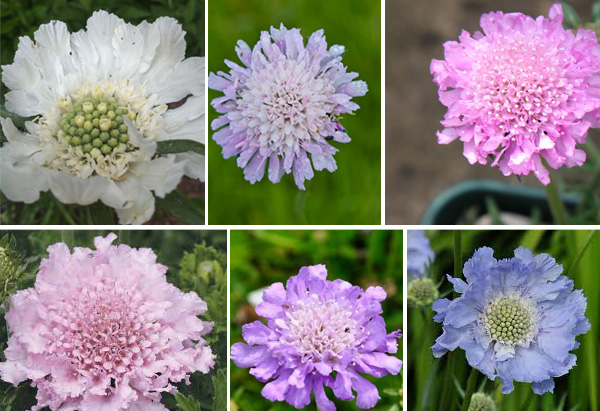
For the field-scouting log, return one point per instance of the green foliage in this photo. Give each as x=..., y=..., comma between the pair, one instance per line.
x=186, y=403
x=199, y=268
x=22, y=18
x=11, y=267
x=260, y=258
x=205, y=272
x=179, y=146
x=188, y=211
x=351, y=194
x=577, y=251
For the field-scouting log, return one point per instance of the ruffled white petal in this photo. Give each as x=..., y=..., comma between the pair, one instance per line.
x=186, y=122
x=169, y=52
x=21, y=144
x=140, y=212
x=194, y=165
x=19, y=181
x=100, y=31
x=128, y=44
x=180, y=81
x=160, y=175
x=54, y=36
x=121, y=194
x=73, y=190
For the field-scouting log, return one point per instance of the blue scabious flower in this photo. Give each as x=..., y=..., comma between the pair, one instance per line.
x=319, y=333
x=516, y=319
x=419, y=253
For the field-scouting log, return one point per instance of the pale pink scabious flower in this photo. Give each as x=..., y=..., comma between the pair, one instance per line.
x=286, y=103
x=103, y=330
x=524, y=90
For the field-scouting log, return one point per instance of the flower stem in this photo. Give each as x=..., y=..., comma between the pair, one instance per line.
x=457, y=253
x=581, y=252
x=498, y=395
x=470, y=389
x=557, y=208
x=447, y=385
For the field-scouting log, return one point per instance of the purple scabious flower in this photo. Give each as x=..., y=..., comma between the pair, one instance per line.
x=285, y=103
x=524, y=90
x=319, y=333
x=516, y=319
x=419, y=253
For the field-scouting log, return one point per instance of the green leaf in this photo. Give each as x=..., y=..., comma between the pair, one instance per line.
x=18, y=121
x=179, y=146
x=391, y=392
x=179, y=206
x=571, y=16
x=596, y=13
x=220, y=385
x=101, y=214
x=186, y=403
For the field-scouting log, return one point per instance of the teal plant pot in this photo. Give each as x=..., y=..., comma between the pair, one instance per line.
x=448, y=207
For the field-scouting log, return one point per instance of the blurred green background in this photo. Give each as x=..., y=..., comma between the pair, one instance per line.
x=364, y=258
x=578, y=390
x=197, y=261
x=351, y=194
x=23, y=17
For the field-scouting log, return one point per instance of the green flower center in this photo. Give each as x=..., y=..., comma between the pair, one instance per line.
x=422, y=292
x=481, y=402
x=96, y=125
x=509, y=319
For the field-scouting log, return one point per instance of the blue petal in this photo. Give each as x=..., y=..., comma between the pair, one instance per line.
x=479, y=265
x=544, y=386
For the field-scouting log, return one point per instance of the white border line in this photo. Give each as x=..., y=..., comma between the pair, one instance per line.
x=382, y=161
x=206, y=109
x=404, y=319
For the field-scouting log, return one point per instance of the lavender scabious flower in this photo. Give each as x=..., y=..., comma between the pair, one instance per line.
x=103, y=330
x=516, y=319
x=419, y=253
x=285, y=103
x=319, y=333
x=524, y=90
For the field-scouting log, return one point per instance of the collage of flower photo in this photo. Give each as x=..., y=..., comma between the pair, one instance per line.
x=386, y=205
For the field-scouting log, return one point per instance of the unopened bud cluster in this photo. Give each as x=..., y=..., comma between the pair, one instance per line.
x=96, y=126
x=10, y=267
x=422, y=292
x=482, y=402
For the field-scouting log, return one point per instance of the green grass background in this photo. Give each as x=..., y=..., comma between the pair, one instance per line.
x=260, y=258
x=428, y=377
x=350, y=195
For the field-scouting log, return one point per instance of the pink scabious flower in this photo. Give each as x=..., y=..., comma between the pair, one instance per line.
x=319, y=333
x=103, y=330
x=524, y=90
x=285, y=103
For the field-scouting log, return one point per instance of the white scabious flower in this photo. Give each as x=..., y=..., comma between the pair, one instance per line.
x=100, y=99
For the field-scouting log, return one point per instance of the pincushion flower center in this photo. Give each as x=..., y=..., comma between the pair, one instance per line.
x=88, y=130
x=96, y=126
x=105, y=331
x=519, y=83
x=316, y=326
x=286, y=103
x=510, y=319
